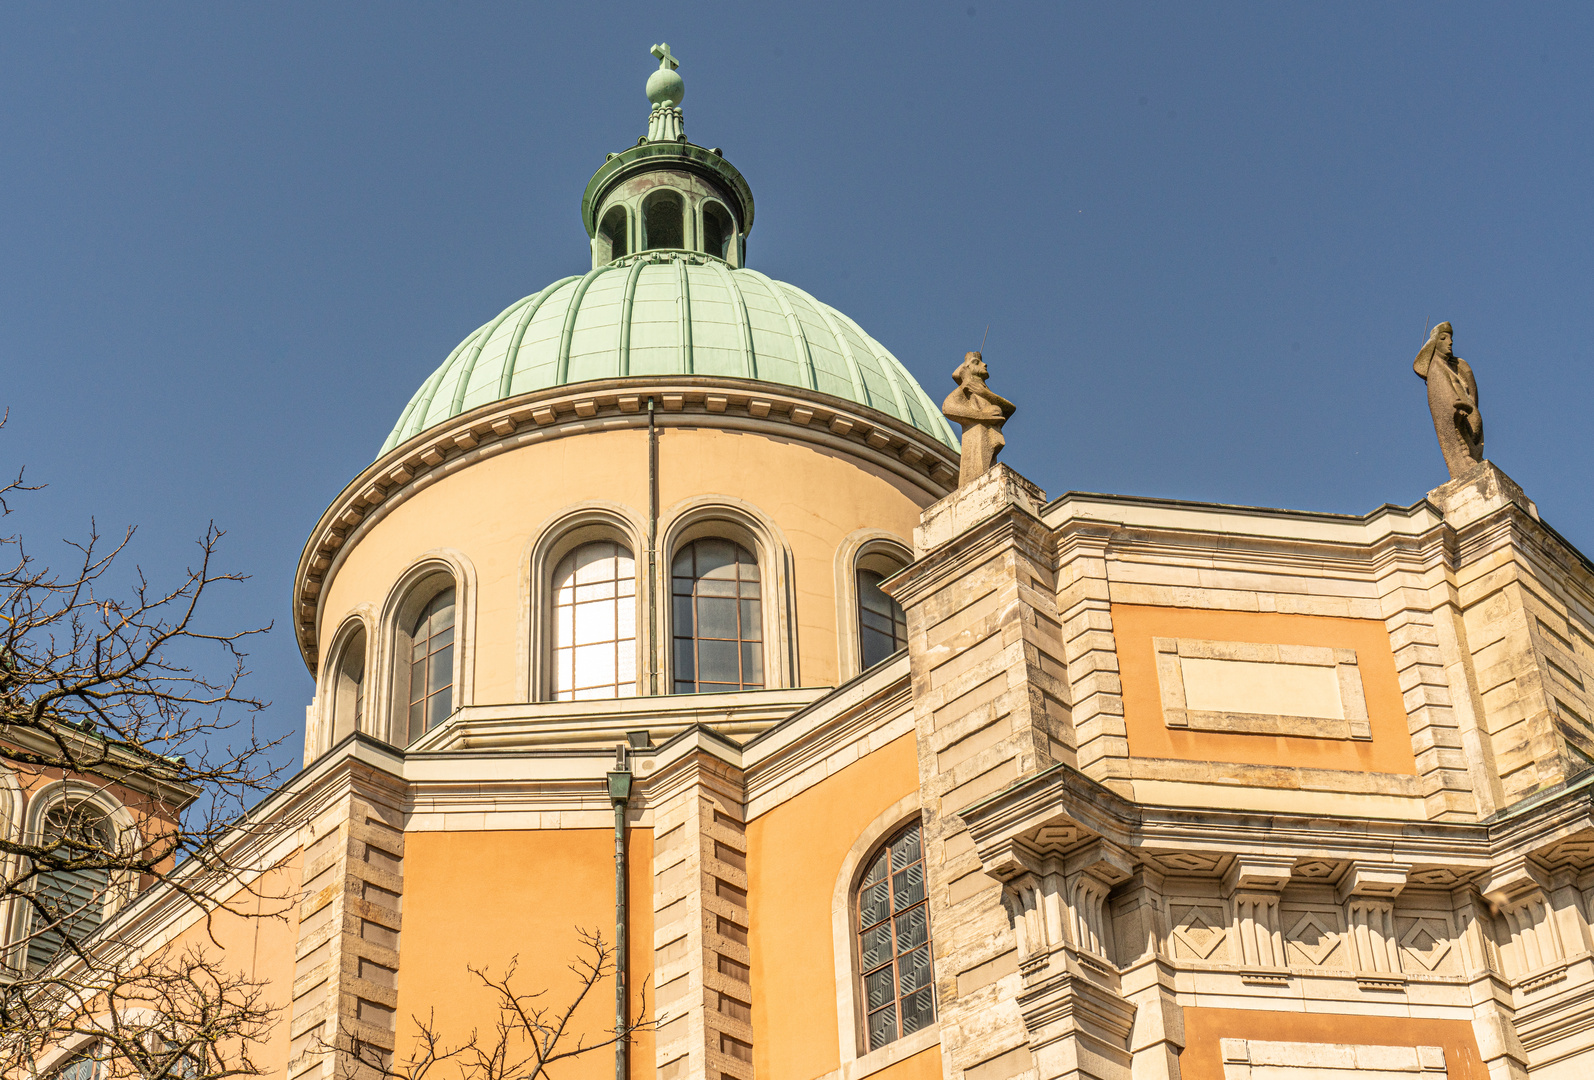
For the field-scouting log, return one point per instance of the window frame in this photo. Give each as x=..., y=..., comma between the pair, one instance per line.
x=550, y=542
x=120, y=884
x=683, y=201
x=636, y=598
x=733, y=519
x=867, y=549
x=345, y=703
x=763, y=631
x=413, y=591
x=857, y=1060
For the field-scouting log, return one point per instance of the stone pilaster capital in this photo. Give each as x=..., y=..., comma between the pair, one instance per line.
x=1103, y=860
x=1514, y=881
x=1373, y=881
x=1011, y=860
x=1257, y=873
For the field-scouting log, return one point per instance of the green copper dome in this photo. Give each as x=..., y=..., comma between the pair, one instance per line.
x=668, y=294
x=669, y=313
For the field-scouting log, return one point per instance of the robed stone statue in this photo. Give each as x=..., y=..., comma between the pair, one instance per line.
x=1453, y=400
x=981, y=412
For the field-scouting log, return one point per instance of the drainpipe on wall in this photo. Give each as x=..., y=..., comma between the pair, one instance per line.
x=653, y=529
x=620, y=796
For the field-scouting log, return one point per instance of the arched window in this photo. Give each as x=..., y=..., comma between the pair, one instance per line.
x=431, y=681
x=84, y=1066
x=882, y=624
x=718, y=618
x=594, y=623
x=718, y=230
x=613, y=230
x=664, y=220
x=893, y=924
x=348, y=689
x=68, y=904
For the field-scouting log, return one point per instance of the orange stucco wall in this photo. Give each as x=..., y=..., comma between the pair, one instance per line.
x=1202, y=1058
x=795, y=852
x=1134, y=626
x=492, y=510
x=482, y=898
x=255, y=933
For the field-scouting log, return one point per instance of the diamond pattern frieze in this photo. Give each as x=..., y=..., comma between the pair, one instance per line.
x=1315, y=936
x=1199, y=929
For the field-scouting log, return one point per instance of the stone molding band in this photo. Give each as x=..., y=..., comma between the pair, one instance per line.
x=682, y=401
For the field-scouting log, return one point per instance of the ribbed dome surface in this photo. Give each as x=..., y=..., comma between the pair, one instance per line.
x=669, y=313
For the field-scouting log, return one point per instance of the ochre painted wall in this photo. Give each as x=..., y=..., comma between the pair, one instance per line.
x=794, y=853
x=256, y=933
x=1202, y=1058
x=482, y=898
x=493, y=509
x=1134, y=626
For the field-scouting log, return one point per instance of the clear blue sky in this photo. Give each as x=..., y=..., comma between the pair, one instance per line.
x=1207, y=238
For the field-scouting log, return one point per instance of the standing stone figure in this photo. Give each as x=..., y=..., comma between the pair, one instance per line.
x=981, y=412
x=1453, y=400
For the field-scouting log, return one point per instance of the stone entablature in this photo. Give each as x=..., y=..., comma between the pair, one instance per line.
x=809, y=417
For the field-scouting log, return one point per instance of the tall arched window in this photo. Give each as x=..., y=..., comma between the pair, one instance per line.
x=717, y=618
x=664, y=220
x=718, y=229
x=882, y=624
x=594, y=623
x=893, y=923
x=431, y=696
x=613, y=230
x=68, y=904
x=348, y=689
x=83, y=1066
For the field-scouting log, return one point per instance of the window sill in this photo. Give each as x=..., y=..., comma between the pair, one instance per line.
x=888, y=1055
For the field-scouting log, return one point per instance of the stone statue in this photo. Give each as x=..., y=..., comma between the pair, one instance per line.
x=981, y=412
x=1453, y=400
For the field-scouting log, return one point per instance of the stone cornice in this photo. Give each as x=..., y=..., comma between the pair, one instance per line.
x=806, y=416
x=1005, y=825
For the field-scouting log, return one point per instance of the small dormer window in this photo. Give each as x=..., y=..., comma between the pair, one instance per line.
x=664, y=220
x=718, y=230
x=613, y=230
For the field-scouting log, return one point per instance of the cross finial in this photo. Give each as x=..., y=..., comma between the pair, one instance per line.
x=667, y=62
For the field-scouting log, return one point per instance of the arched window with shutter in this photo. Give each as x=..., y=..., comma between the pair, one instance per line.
x=69, y=902
x=892, y=920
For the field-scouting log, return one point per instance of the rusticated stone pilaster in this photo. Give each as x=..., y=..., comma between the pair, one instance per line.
x=346, y=961
x=701, y=959
x=990, y=697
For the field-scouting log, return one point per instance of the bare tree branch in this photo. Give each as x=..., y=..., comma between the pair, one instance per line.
x=123, y=709
x=529, y=1033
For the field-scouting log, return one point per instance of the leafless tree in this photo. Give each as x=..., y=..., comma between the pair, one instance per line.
x=137, y=757
x=530, y=1033
x=182, y=1016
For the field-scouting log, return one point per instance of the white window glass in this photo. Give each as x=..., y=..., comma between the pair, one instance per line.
x=594, y=623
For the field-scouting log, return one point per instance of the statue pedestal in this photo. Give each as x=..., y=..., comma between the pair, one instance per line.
x=1479, y=493
x=992, y=492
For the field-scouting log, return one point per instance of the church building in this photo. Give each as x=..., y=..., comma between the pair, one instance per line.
x=910, y=770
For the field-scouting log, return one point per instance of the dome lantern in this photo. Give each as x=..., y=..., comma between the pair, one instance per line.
x=665, y=193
